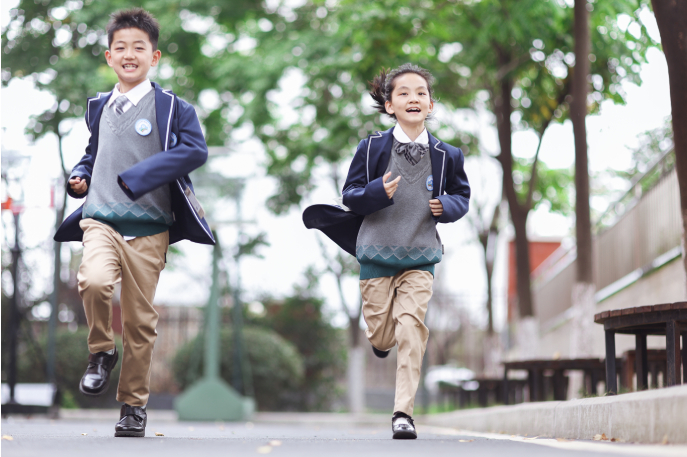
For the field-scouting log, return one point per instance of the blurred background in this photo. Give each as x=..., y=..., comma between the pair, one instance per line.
x=280, y=89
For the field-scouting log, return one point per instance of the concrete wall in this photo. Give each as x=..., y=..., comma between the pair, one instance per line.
x=665, y=285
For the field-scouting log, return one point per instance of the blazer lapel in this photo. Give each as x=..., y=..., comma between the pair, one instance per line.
x=95, y=108
x=164, y=107
x=379, y=153
x=438, y=156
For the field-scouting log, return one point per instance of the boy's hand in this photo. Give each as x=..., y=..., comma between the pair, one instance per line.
x=391, y=186
x=78, y=185
x=436, y=207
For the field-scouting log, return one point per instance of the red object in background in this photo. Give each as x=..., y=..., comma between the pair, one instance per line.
x=9, y=205
x=540, y=250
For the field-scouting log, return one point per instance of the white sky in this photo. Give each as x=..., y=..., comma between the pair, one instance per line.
x=611, y=134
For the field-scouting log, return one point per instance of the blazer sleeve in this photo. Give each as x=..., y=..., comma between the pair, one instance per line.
x=360, y=196
x=456, y=200
x=83, y=169
x=166, y=166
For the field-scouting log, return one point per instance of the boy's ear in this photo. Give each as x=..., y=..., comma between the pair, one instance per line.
x=387, y=106
x=108, y=57
x=156, y=57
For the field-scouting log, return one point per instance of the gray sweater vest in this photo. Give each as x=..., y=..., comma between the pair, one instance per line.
x=124, y=141
x=403, y=235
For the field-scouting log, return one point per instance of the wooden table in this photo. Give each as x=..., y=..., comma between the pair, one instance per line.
x=593, y=371
x=669, y=319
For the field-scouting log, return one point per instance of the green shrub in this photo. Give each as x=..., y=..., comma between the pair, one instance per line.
x=72, y=359
x=276, y=366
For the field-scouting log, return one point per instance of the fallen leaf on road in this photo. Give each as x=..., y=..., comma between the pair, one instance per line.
x=7, y=437
x=264, y=449
x=276, y=443
x=465, y=441
x=562, y=440
x=84, y=434
x=533, y=438
x=159, y=434
x=601, y=437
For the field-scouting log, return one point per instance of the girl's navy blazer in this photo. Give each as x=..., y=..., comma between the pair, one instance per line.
x=184, y=151
x=364, y=193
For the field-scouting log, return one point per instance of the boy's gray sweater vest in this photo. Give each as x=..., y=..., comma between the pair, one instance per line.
x=120, y=146
x=403, y=235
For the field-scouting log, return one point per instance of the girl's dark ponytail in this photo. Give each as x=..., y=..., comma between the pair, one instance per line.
x=378, y=89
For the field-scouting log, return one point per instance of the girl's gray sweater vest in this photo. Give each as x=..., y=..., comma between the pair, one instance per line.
x=403, y=235
x=124, y=141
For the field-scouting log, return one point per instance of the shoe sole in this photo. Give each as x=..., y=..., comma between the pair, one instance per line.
x=131, y=434
x=107, y=384
x=401, y=435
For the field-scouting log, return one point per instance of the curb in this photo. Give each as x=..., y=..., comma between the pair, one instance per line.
x=654, y=416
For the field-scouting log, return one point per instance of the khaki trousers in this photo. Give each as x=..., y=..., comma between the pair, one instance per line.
x=107, y=260
x=394, y=309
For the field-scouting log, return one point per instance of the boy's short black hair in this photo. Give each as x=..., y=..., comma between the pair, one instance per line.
x=137, y=18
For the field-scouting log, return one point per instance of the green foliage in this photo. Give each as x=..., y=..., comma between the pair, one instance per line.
x=71, y=361
x=276, y=366
x=552, y=186
x=300, y=320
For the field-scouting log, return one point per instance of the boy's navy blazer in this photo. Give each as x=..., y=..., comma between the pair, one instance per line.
x=364, y=193
x=184, y=150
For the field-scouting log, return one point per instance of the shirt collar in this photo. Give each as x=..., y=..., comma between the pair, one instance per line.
x=401, y=136
x=134, y=95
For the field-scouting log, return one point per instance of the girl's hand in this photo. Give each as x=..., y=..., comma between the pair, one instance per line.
x=391, y=186
x=436, y=207
x=78, y=185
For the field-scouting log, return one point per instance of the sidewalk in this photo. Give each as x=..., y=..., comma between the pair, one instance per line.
x=654, y=416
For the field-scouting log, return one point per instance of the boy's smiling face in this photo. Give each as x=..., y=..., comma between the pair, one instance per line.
x=131, y=55
x=410, y=100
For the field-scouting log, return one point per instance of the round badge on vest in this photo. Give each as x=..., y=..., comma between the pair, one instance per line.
x=143, y=127
x=430, y=182
x=173, y=141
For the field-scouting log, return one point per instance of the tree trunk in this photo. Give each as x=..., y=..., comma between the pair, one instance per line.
x=503, y=110
x=671, y=16
x=578, y=114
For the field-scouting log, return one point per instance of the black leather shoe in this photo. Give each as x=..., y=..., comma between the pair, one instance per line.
x=97, y=376
x=132, y=421
x=380, y=354
x=403, y=427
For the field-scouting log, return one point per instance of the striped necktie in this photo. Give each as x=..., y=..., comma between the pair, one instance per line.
x=120, y=104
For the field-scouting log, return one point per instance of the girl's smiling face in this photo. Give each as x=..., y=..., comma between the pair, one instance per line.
x=410, y=100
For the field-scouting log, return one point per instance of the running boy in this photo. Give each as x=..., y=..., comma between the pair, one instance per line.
x=400, y=184
x=144, y=142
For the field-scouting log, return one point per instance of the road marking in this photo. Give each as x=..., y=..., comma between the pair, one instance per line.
x=617, y=448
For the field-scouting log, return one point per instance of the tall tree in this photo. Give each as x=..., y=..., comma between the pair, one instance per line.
x=584, y=288
x=671, y=16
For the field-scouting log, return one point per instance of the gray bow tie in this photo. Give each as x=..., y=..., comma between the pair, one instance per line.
x=413, y=152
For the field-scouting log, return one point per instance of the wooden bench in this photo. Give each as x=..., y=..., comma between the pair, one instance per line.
x=549, y=376
x=669, y=319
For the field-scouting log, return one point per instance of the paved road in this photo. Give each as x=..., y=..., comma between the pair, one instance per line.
x=88, y=438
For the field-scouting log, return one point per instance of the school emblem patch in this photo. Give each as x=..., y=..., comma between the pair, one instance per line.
x=143, y=127
x=430, y=182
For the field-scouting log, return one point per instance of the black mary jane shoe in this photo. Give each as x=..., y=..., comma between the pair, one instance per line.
x=132, y=421
x=403, y=427
x=97, y=376
x=380, y=354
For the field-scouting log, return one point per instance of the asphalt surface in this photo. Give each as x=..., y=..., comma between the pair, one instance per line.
x=74, y=438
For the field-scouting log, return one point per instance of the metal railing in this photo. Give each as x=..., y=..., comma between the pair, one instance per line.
x=642, y=225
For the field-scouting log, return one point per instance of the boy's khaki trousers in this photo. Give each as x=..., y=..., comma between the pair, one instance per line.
x=107, y=260
x=394, y=309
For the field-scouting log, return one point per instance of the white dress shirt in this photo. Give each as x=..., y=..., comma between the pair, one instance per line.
x=401, y=136
x=134, y=95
